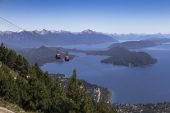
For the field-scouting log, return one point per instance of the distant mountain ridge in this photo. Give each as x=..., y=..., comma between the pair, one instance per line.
x=151, y=42
x=36, y=38
x=137, y=37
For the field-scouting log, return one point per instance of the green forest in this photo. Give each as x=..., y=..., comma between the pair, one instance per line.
x=33, y=90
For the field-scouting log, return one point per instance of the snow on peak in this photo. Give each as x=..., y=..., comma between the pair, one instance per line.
x=88, y=31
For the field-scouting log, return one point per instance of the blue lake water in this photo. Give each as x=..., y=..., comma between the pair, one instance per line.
x=102, y=46
x=150, y=84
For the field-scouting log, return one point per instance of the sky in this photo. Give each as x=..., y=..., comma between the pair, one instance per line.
x=108, y=16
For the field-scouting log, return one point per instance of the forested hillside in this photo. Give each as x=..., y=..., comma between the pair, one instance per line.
x=31, y=89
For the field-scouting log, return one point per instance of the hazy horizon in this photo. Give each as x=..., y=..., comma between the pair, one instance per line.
x=92, y=30
x=107, y=16
x=85, y=30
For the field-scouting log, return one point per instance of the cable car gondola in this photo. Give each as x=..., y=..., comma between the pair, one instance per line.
x=66, y=57
x=58, y=55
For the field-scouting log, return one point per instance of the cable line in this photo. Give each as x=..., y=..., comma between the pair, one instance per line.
x=11, y=23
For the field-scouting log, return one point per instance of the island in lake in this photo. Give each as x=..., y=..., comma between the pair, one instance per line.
x=122, y=56
x=151, y=42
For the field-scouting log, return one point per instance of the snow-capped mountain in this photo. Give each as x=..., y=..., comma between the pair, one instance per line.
x=53, y=38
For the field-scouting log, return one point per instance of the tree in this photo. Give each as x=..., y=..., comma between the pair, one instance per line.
x=39, y=96
x=104, y=107
x=58, y=98
x=81, y=102
x=8, y=86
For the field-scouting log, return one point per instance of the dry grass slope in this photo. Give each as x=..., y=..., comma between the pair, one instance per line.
x=6, y=107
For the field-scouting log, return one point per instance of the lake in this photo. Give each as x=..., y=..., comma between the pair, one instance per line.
x=102, y=46
x=150, y=84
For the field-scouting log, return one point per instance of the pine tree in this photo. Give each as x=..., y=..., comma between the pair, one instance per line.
x=58, y=98
x=81, y=102
x=8, y=86
x=39, y=95
x=104, y=107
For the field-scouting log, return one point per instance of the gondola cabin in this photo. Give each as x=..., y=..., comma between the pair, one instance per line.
x=66, y=58
x=58, y=56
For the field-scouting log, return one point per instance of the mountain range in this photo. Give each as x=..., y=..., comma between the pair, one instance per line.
x=32, y=39
x=26, y=39
x=150, y=42
x=137, y=37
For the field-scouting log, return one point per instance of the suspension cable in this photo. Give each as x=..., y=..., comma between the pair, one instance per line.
x=11, y=23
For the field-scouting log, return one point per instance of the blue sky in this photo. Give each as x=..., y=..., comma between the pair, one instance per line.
x=109, y=16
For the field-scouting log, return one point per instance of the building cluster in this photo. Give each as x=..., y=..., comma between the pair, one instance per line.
x=143, y=108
